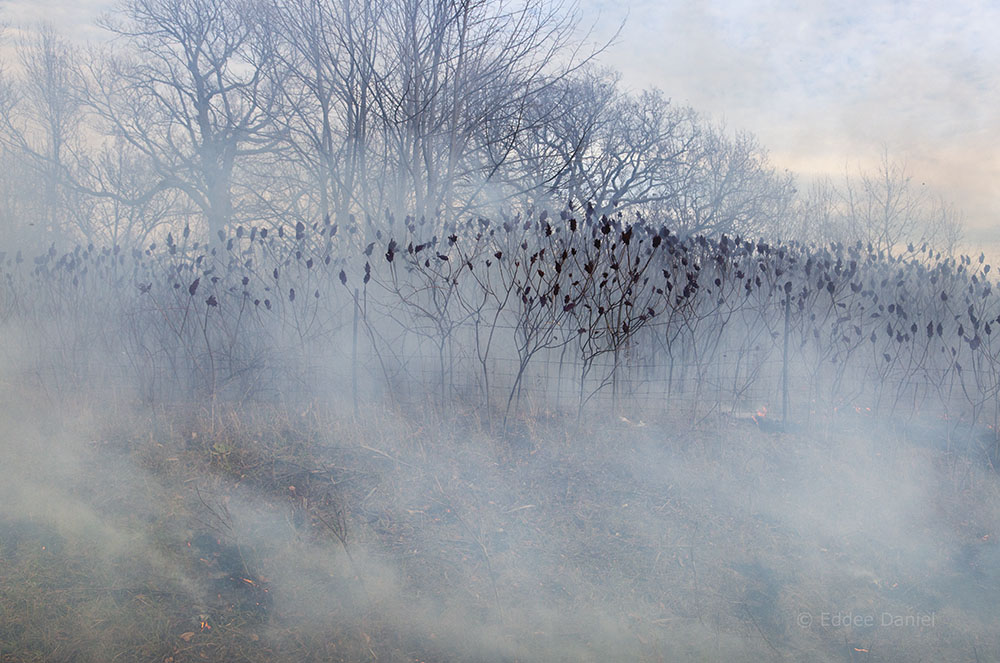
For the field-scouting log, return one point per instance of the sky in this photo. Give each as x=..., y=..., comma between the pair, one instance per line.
x=823, y=84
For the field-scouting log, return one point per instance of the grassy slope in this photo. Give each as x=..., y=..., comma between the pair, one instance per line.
x=300, y=534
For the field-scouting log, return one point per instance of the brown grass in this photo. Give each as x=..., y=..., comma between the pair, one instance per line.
x=406, y=538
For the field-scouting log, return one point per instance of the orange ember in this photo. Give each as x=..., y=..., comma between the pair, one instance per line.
x=761, y=413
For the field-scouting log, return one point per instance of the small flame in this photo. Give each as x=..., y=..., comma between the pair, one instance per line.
x=761, y=413
x=249, y=581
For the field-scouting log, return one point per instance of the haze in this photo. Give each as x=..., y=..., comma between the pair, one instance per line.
x=435, y=330
x=824, y=85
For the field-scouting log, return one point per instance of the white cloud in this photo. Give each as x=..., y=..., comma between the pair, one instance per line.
x=76, y=18
x=825, y=84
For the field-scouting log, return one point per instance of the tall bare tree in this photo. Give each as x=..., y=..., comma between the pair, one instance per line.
x=414, y=105
x=328, y=85
x=41, y=121
x=188, y=89
x=120, y=198
x=883, y=206
x=729, y=186
x=638, y=161
x=563, y=124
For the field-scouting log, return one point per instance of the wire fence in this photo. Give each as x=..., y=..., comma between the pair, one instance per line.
x=408, y=369
x=633, y=322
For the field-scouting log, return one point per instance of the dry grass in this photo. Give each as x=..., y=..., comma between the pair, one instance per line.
x=297, y=533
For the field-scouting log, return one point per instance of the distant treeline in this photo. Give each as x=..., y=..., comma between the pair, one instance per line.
x=217, y=113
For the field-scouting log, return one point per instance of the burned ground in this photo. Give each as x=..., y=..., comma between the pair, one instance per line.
x=310, y=535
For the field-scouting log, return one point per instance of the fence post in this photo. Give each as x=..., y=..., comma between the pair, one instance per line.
x=354, y=355
x=784, y=357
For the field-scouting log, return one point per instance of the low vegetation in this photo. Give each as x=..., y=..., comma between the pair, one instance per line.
x=263, y=534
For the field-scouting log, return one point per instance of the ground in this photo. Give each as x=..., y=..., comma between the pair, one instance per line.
x=299, y=532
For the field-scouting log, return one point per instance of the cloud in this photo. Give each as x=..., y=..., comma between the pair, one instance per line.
x=825, y=85
x=76, y=19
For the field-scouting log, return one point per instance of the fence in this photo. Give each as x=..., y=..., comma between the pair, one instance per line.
x=625, y=319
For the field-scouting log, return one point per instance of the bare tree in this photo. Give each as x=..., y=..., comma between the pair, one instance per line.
x=414, y=106
x=10, y=192
x=563, y=123
x=614, y=151
x=121, y=202
x=729, y=186
x=638, y=161
x=946, y=226
x=883, y=206
x=191, y=94
x=454, y=103
x=593, y=144
x=817, y=215
x=6, y=91
x=41, y=119
x=328, y=82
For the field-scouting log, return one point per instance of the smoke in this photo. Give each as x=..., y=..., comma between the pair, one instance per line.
x=620, y=540
x=250, y=505
x=535, y=439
